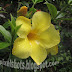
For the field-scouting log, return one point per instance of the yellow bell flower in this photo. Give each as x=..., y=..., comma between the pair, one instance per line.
x=22, y=11
x=37, y=39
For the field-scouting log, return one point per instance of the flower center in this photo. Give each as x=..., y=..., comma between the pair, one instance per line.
x=32, y=36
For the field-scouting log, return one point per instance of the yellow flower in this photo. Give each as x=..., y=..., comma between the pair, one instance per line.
x=22, y=11
x=37, y=39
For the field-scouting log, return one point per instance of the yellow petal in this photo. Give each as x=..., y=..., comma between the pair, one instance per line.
x=48, y=50
x=22, y=11
x=50, y=37
x=25, y=26
x=53, y=50
x=41, y=21
x=38, y=53
x=21, y=48
x=58, y=31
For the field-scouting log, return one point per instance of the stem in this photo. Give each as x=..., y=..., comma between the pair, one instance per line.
x=33, y=5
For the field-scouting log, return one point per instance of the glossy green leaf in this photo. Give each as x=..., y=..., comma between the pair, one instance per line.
x=12, y=26
x=70, y=2
x=12, y=23
x=13, y=20
x=37, y=1
x=3, y=12
x=16, y=29
x=4, y=45
x=5, y=33
x=52, y=9
x=6, y=24
x=70, y=19
x=61, y=15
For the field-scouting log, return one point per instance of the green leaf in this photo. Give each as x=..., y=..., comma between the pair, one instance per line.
x=5, y=33
x=37, y=1
x=61, y=15
x=52, y=9
x=6, y=24
x=16, y=29
x=64, y=19
x=4, y=45
x=62, y=10
x=13, y=20
x=70, y=2
x=12, y=26
x=3, y=12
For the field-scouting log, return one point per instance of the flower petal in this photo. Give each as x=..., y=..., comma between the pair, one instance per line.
x=50, y=37
x=53, y=50
x=21, y=48
x=41, y=21
x=25, y=26
x=38, y=53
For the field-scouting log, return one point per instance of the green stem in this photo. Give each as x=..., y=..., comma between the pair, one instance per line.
x=33, y=5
